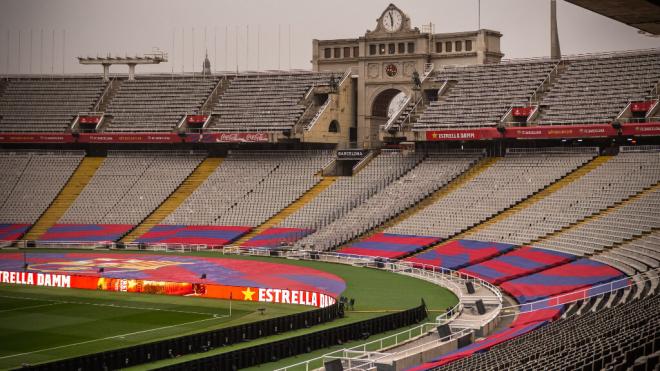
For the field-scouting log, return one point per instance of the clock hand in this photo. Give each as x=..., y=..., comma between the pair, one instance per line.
x=391, y=19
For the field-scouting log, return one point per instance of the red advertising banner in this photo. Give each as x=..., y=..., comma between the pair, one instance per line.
x=197, y=119
x=256, y=294
x=36, y=138
x=89, y=119
x=560, y=131
x=463, y=134
x=641, y=106
x=129, y=138
x=521, y=111
x=235, y=138
x=649, y=128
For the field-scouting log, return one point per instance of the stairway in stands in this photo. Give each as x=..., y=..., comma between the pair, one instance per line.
x=554, y=187
x=187, y=187
x=458, y=182
x=292, y=208
x=66, y=197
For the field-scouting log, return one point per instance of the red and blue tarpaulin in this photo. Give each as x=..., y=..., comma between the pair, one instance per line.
x=174, y=268
x=274, y=237
x=388, y=245
x=460, y=253
x=85, y=232
x=193, y=234
x=11, y=232
x=576, y=275
x=517, y=263
x=524, y=323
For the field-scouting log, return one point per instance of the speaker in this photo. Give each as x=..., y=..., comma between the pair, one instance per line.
x=380, y=263
x=203, y=276
x=464, y=341
x=120, y=245
x=470, y=287
x=480, y=307
x=101, y=270
x=444, y=330
x=334, y=365
x=30, y=243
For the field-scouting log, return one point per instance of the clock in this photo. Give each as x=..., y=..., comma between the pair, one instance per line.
x=391, y=70
x=392, y=20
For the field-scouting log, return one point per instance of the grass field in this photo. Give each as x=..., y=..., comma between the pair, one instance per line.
x=44, y=324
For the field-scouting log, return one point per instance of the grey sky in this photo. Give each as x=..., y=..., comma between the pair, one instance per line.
x=135, y=26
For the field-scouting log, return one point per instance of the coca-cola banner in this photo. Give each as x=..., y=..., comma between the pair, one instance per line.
x=129, y=138
x=649, y=128
x=560, y=131
x=235, y=138
x=463, y=134
x=36, y=138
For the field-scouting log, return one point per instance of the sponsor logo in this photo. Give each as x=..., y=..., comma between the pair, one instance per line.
x=90, y=266
x=36, y=279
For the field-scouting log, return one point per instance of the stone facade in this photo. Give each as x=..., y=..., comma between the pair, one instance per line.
x=385, y=59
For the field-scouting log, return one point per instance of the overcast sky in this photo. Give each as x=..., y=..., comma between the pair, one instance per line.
x=132, y=27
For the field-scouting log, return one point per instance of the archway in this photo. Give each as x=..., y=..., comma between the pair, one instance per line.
x=380, y=107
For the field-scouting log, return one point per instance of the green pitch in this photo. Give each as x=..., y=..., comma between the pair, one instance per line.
x=44, y=324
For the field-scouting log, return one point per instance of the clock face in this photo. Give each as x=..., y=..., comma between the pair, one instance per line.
x=391, y=70
x=392, y=20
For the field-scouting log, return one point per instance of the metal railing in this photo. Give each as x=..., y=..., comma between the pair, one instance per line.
x=397, y=114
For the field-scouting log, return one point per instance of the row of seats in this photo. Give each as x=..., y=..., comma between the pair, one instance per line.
x=128, y=186
x=46, y=105
x=250, y=187
x=31, y=180
x=506, y=182
x=593, y=89
x=620, y=338
x=346, y=193
x=157, y=104
x=622, y=176
x=596, y=89
x=434, y=172
x=265, y=102
x=482, y=94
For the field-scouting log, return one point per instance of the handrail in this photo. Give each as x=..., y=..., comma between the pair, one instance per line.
x=182, y=121
x=580, y=294
x=413, y=110
x=318, y=114
x=325, y=105
x=105, y=91
x=210, y=97
x=398, y=113
x=533, y=99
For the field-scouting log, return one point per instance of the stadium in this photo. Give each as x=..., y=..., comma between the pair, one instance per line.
x=411, y=201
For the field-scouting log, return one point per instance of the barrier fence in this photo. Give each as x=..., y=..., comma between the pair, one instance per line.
x=196, y=343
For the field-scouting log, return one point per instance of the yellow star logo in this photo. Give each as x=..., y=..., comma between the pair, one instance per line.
x=247, y=294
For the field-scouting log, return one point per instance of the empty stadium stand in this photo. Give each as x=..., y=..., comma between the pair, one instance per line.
x=265, y=102
x=595, y=89
x=512, y=179
x=157, y=104
x=246, y=190
x=31, y=180
x=434, y=172
x=610, y=339
x=482, y=94
x=612, y=182
x=124, y=190
x=47, y=104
